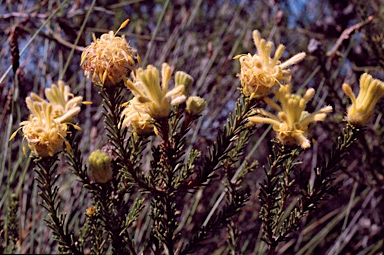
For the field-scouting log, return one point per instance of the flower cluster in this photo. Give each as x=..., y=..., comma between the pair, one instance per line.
x=260, y=73
x=46, y=128
x=291, y=122
x=153, y=101
x=109, y=59
x=361, y=110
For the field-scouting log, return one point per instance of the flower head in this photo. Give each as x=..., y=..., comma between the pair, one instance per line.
x=134, y=117
x=291, y=122
x=65, y=105
x=151, y=97
x=100, y=166
x=361, y=110
x=44, y=135
x=195, y=105
x=260, y=73
x=185, y=80
x=46, y=128
x=109, y=59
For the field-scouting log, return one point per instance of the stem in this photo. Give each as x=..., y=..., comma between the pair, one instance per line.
x=46, y=183
x=112, y=104
x=324, y=174
x=224, y=143
x=115, y=209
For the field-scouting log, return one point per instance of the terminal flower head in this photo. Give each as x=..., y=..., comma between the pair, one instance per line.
x=108, y=59
x=151, y=97
x=291, y=122
x=65, y=105
x=361, y=110
x=46, y=128
x=259, y=73
x=44, y=135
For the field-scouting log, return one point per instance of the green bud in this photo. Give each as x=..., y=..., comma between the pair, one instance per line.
x=182, y=78
x=100, y=167
x=195, y=105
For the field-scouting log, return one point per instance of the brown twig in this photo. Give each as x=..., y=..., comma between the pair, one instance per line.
x=345, y=35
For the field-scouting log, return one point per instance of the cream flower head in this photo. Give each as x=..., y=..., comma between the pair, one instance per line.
x=109, y=59
x=259, y=73
x=65, y=105
x=136, y=118
x=361, y=110
x=195, y=105
x=151, y=97
x=185, y=80
x=44, y=135
x=46, y=128
x=291, y=122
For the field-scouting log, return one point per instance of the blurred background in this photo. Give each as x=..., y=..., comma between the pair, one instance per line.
x=42, y=41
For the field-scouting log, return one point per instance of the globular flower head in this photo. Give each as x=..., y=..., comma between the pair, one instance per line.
x=195, y=105
x=100, y=166
x=108, y=59
x=65, y=105
x=361, y=110
x=151, y=97
x=260, y=73
x=291, y=122
x=136, y=118
x=44, y=135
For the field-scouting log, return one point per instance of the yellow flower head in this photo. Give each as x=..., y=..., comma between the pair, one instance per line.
x=44, y=135
x=109, y=59
x=65, y=105
x=291, y=122
x=151, y=98
x=260, y=73
x=134, y=117
x=361, y=110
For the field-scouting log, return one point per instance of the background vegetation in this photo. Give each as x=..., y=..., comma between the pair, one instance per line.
x=342, y=39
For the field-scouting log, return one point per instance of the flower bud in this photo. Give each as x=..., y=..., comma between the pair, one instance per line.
x=195, y=105
x=91, y=211
x=182, y=78
x=100, y=166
